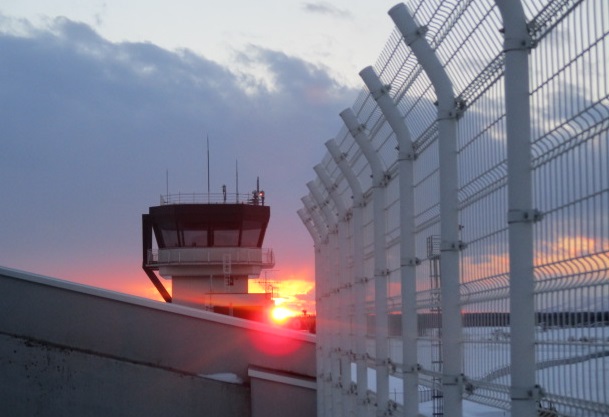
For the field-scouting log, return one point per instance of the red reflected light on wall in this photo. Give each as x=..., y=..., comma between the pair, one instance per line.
x=275, y=345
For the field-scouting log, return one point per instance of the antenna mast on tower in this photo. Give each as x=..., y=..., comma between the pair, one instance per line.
x=208, y=168
x=237, y=178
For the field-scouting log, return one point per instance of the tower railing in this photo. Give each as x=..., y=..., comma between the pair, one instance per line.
x=263, y=257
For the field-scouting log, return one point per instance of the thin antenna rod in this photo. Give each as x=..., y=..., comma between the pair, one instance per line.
x=208, y=168
x=167, y=181
x=237, y=178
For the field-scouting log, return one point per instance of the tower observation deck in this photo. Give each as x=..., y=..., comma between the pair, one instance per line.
x=209, y=246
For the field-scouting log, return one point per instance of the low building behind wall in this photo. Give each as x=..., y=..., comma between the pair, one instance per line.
x=277, y=394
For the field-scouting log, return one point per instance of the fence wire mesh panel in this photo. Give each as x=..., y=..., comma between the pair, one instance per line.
x=567, y=46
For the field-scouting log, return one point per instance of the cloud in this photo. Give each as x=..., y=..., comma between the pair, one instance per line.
x=321, y=7
x=90, y=127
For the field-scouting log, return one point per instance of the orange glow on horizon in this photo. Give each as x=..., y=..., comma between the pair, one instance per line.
x=295, y=292
x=292, y=292
x=571, y=247
x=139, y=286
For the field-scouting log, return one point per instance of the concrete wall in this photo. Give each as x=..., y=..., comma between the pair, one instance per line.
x=277, y=394
x=57, y=329
x=42, y=380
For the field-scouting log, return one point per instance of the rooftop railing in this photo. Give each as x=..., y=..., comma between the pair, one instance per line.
x=255, y=198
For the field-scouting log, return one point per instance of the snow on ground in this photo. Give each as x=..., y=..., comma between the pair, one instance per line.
x=572, y=362
x=224, y=377
x=470, y=409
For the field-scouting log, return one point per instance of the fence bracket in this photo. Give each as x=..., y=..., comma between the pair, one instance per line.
x=524, y=216
x=410, y=261
x=452, y=246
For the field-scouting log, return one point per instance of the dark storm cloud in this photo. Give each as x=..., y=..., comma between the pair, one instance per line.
x=89, y=127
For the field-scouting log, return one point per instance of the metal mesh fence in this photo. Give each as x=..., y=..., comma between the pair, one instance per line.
x=569, y=122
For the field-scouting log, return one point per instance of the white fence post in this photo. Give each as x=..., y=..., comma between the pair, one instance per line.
x=337, y=264
x=449, y=215
x=324, y=313
x=379, y=182
x=359, y=279
x=521, y=214
x=408, y=260
x=344, y=292
x=308, y=222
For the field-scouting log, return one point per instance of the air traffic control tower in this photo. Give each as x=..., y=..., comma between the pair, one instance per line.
x=209, y=246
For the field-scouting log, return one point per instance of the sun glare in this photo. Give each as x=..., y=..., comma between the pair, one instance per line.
x=280, y=314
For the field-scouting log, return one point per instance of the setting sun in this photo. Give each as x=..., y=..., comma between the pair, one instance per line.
x=280, y=314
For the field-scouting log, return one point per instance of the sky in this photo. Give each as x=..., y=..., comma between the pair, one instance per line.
x=106, y=104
